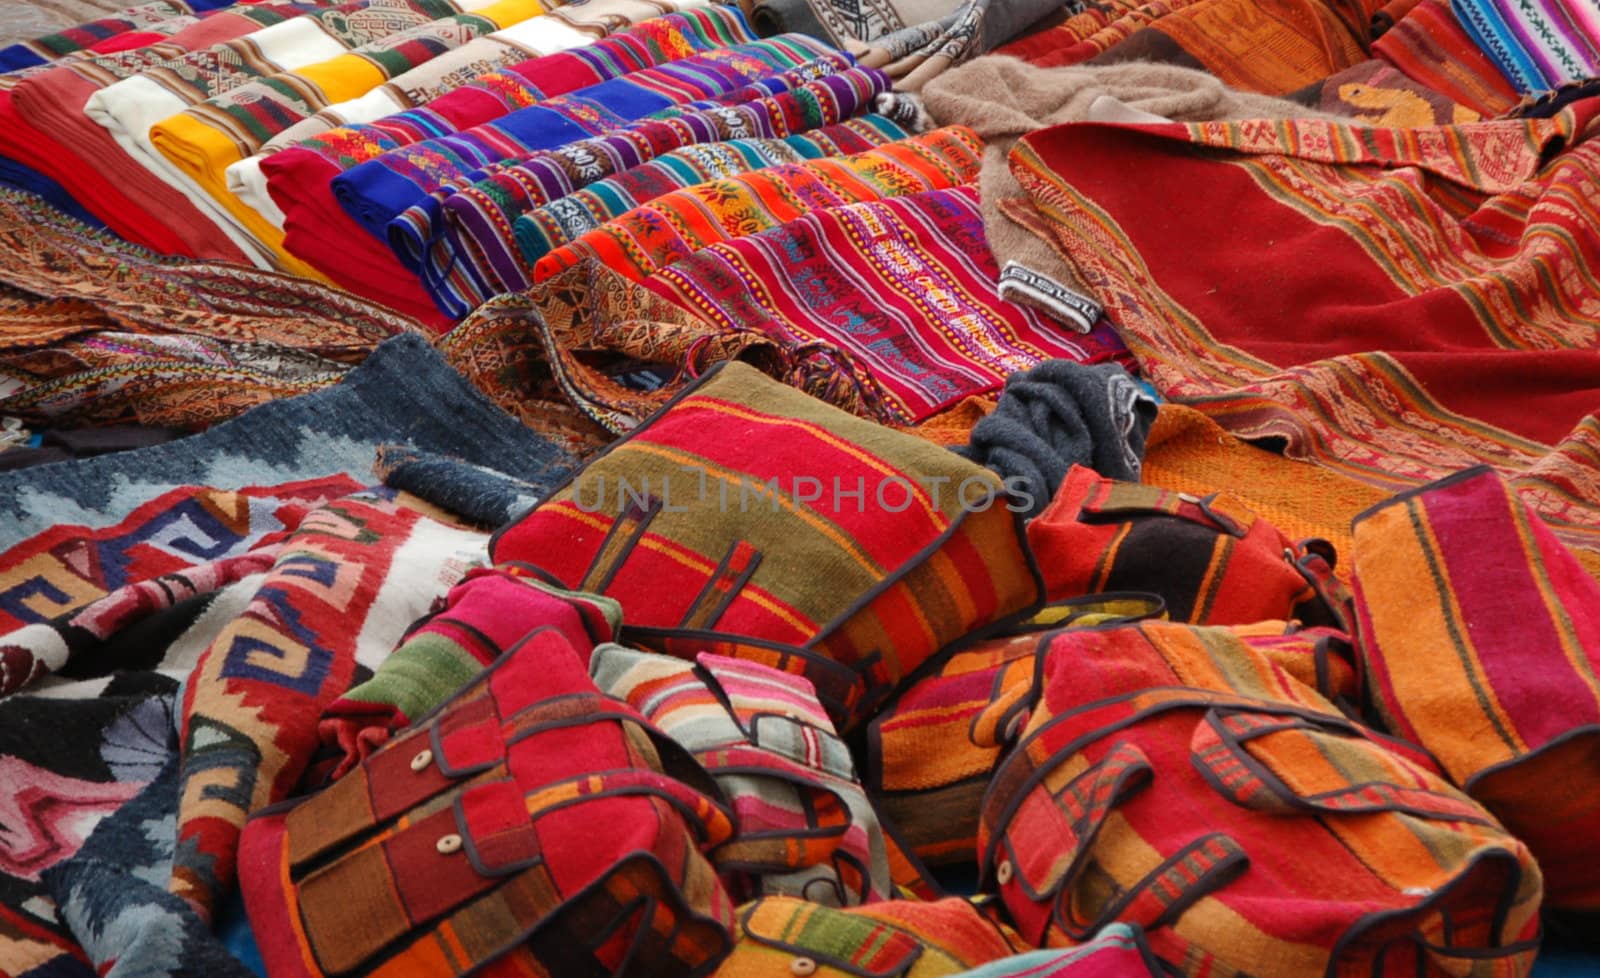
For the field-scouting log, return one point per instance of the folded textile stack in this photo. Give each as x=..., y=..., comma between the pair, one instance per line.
x=623, y=488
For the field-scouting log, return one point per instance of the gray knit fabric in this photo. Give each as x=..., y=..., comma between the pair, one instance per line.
x=1061, y=414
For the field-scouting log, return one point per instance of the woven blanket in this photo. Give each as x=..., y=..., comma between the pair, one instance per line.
x=147, y=35
x=204, y=140
x=469, y=256
x=130, y=108
x=1435, y=277
x=562, y=221
x=51, y=47
x=1268, y=46
x=662, y=231
x=378, y=191
x=45, y=128
x=95, y=330
x=1538, y=44
x=344, y=588
x=558, y=30
x=70, y=760
x=895, y=301
x=676, y=225
x=112, y=894
x=299, y=179
x=1379, y=94
x=392, y=562
x=419, y=234
x=1428, y=45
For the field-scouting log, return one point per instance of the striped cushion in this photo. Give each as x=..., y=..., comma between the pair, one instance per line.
x=1480, y=633
x=747, y=519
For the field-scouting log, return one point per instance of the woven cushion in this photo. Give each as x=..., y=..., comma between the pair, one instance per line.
x=1480, y=633
x=726, y=524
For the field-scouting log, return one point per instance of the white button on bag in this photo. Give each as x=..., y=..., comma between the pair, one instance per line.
x=1002, y=872
x=448, y=844
x=802, y=966
x=422, y=760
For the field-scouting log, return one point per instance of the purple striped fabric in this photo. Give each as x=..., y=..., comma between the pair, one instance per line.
x=470, y=252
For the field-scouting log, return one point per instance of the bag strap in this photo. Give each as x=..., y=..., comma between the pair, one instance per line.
x=1062, y=824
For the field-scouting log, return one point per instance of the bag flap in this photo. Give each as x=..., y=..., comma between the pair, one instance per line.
x=1293, y=763
x=852, y=944
x=1053, y=828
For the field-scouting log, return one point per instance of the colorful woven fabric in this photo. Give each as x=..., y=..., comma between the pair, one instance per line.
x=561, y=29
x=1212, y=560
x=55, y=519
x=417, y=233
x=675, y=226
x=891, y=305
x=932, y=752
x=583, y=338
x=562, y=221
x=133, y=107
x=299, y=179
x=493, y=65
x=804, y=826
x=471, y=256
x=96, y=330
x=1187, y=452
x=110, y=893
x=1168, y=776
x=46, y=129
x=344, y=586
x=699, y=524
x=1538, y=44
x=376, y=192
x=53, y=612
x=1480, y=635
x=905, y=938
x=483, y=617
x=1117, y=951
x=205, y=139
x=1269, y=46
x=1428, y=45
x=912, y=41
x=531, y=825
x=51, y=47
x=1463, y=228
x=152, y=33
x=1090, y=31
x=70, y=763
x=933, y=749
x=1377, y=93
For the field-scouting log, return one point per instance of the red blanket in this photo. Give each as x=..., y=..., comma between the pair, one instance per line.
x=1398, y=304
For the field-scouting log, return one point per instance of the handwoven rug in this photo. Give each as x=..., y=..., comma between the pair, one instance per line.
x=96, y=330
